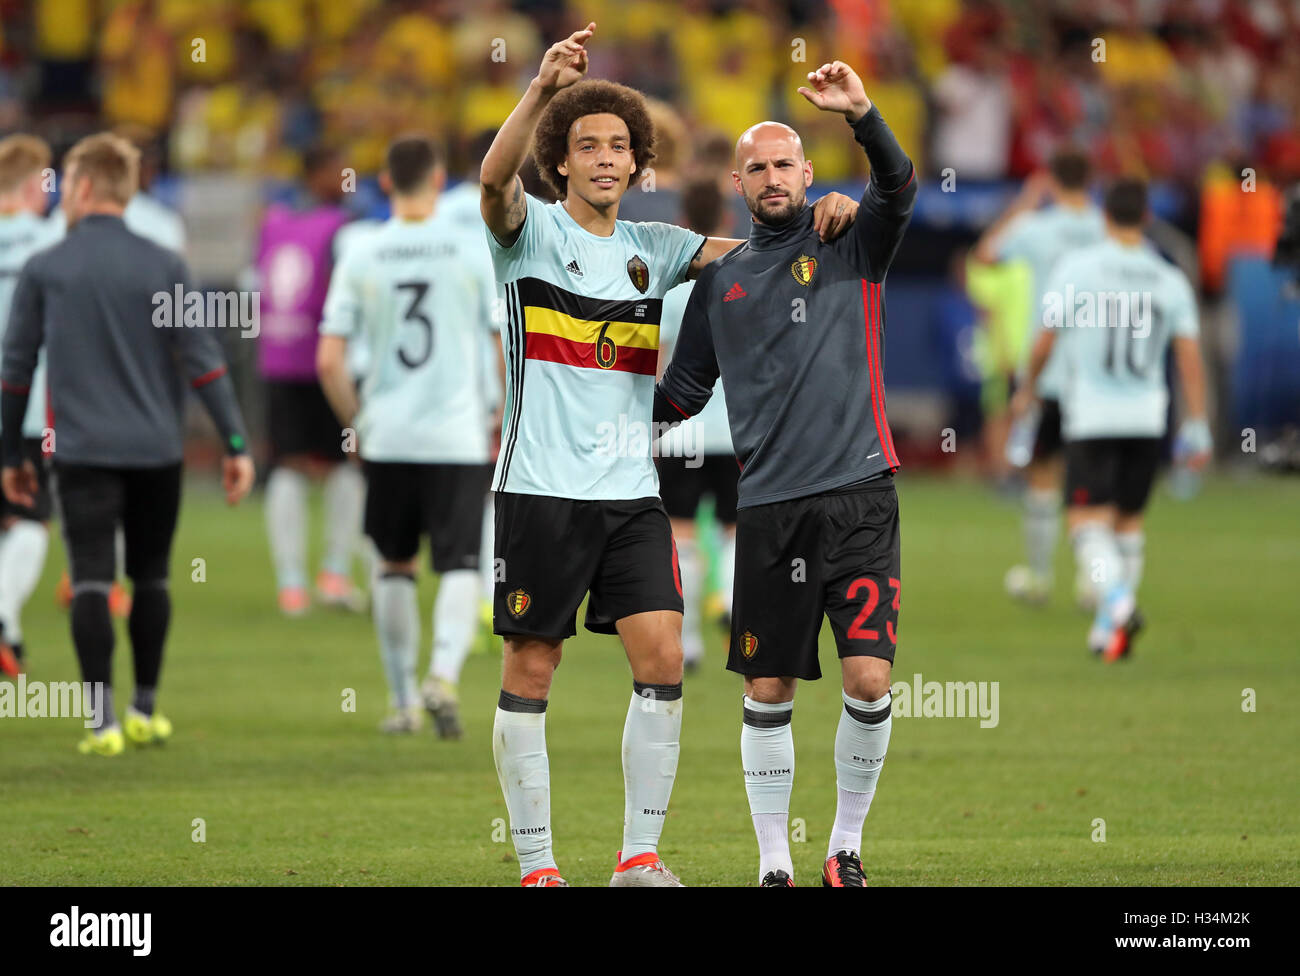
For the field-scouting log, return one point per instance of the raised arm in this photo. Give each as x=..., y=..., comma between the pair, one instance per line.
x=891, y=191
x=502, y=202
x=1030, y=197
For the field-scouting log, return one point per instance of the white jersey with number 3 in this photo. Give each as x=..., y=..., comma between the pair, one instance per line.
x=418, y=296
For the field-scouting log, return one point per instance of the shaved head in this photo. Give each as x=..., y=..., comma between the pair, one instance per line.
x=767, y=135
x=771, y=172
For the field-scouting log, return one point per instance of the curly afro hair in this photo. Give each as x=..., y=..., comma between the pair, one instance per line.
x=551, y=141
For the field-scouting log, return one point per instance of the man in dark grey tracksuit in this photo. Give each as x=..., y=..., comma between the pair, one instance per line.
x=113, y=347
x=795, y=327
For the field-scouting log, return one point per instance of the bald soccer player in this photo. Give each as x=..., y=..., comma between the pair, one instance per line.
x=577, y=513
x=794, y=326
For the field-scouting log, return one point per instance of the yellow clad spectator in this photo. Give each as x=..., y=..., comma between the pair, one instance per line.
x=205, y=36
x=1135, y=57
x=284, y=22
x=65, y=29
x=337, y=19
x=486, y=104
x=490, y=33
x=926, y=22
x=136, y=65
x=416, y=45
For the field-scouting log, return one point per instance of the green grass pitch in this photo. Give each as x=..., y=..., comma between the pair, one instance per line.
x=293, y=790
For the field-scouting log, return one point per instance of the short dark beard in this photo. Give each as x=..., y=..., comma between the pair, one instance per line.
x=782, y=217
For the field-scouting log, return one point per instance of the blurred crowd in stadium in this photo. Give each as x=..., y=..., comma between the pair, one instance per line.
x=987, y=88
x=235, y=98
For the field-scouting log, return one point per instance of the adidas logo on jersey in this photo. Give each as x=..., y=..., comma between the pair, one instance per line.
x=734, y=292
x=573, y=269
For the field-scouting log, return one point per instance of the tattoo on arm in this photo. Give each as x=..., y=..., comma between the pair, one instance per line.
x=517, y=208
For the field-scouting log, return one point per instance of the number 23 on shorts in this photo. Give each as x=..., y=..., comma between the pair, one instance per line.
x=867, y=590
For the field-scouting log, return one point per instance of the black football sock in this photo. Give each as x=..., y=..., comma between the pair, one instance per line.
x=92, y=635
x=151, y=611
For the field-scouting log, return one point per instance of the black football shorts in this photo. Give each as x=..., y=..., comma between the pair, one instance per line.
x=682, y=487
x=299, y=421
x=835, y=554
x=442, y=501
x=1115, y=471
x=1047, y=440
x=550, y=552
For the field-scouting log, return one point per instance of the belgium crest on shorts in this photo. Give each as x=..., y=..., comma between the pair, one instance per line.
x=639, y=272
x=803, y=269
x=518, y=602
x=748, y=645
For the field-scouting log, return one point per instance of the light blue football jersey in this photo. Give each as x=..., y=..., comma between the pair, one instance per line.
x=347, y=236
x=459, y=206
x=582, y=342
x=21, y=236
x=708, y=431
x=417, y=296
x=1040, y=238
x=1116, y=308
x=144, y=215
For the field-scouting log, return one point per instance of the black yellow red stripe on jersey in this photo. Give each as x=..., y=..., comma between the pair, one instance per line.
x=590, y=333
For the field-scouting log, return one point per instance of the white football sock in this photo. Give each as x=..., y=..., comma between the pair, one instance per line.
x=860, y=746
x=455, y=616
x=397, y=625
x=486, y=559
x=767, y=760
x=1132, y=546
x=1042, y=523
x=286, y=525
x=22, y=557
x=688, y=565
x=651, y=744
x=524, y=771
x=1098, y=557
x=345, y=497
x=727, y=568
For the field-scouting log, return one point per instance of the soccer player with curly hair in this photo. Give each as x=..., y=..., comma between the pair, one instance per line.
x=577, y=498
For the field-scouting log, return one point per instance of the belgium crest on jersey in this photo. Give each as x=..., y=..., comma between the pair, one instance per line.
x=639, y=272
x=748, y=645
x=803, y=269
x=518, y=602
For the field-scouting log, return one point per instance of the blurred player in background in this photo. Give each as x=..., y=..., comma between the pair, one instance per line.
x=577, y=511
x=91, y=302
x=1111, y=311
x=459, y=206
x=153, y=220
x=417, y=294
x=145, y=215
x=24, y=536
x=696, y=458
x=1040, y=235
x=796, y=328
x=294, y=258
